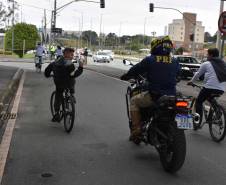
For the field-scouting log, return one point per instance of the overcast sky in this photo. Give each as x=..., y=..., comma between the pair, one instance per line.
x=132, y=15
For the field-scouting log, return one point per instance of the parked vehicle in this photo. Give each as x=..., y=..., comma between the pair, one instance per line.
x=189, y=65
x=101, y=57
x=90, y=54
x=110, y=53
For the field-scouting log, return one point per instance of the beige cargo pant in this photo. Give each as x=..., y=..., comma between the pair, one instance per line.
x=141, y=100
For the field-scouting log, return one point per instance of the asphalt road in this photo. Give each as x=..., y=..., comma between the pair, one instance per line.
x=97, y=152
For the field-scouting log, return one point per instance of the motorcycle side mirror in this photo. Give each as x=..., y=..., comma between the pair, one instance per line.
x=126, y=62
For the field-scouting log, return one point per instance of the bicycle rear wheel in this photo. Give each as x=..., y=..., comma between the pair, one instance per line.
x=69, y=114
x=217, y=124
x=52, y=100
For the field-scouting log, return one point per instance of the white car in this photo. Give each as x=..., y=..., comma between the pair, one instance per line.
x=110, y=53
x=101, y=57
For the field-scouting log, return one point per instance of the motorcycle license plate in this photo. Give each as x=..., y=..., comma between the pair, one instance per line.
x=184, y=121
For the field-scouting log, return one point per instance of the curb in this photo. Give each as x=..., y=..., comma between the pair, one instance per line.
x=11, y=88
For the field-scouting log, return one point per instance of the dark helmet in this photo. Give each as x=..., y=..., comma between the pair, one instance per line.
x=161, y=46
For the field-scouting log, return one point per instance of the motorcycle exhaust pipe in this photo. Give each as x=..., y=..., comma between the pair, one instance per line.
x=196, y=118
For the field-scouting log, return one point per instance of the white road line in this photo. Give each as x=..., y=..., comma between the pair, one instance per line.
x=7, y=137
x=107, y=76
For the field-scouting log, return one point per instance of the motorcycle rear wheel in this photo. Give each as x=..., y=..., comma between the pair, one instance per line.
x=173, y=155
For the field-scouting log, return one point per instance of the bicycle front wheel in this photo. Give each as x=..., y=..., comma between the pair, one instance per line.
x=217, y=123
x=69, y=114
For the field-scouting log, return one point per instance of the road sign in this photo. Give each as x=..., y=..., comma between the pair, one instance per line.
x=222, y=22
x=56, y=30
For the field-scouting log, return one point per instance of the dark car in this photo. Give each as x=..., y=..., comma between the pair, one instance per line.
x=189, y=65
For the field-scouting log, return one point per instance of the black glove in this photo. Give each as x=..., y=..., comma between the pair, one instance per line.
x=124, y=77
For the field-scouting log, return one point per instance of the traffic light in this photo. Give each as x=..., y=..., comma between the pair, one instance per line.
x=102, y=3
x=151, y=7
x=192, y=37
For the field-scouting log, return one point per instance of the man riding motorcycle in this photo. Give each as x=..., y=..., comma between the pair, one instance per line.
x=161, y=71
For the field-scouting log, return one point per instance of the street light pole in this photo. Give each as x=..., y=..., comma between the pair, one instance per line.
x=100, y=31
x=144, y=28
x=54, y=12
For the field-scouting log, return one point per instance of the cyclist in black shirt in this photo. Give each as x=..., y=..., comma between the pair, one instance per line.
x=64, y=73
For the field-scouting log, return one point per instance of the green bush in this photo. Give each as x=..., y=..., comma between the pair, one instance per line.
x=5, y=52
x=22, y=32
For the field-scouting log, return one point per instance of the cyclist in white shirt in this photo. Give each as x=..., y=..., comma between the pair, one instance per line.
x=214, y=71
x=39, y=52
x=59, y=52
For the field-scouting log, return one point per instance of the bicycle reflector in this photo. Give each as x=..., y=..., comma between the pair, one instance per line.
x=181, y=104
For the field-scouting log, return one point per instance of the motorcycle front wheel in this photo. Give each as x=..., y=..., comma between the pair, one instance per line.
x=173, y=152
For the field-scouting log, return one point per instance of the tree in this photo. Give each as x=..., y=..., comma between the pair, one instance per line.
x=7, y=11
x=90, y=36
x=179, y=51
x=215, y=37
x=111, y=39
x=22, y=31
x=207, y=37
x=2, y=14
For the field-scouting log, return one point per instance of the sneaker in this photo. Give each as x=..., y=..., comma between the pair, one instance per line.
x=73, y=99
x=135, y=136
x=135, y=139
x=56, y=117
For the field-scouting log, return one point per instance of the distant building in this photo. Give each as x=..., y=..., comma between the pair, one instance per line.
x=180, y=31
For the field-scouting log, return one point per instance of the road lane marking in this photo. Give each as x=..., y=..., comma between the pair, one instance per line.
x=7, y=137
x=107, y=76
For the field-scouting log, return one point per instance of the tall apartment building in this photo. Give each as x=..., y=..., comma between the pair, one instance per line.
x=181, y=29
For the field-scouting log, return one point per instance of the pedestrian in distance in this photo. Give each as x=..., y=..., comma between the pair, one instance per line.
x=59, y=52
x=39, y=55
x=85, y=54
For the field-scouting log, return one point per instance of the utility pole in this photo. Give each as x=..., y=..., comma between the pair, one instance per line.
x=54, y=15
x=45, y=31
x=91, y=27
x=13, y=28
x=100, y=31
x=144, y=28
x=54, y=20
x=218, y=43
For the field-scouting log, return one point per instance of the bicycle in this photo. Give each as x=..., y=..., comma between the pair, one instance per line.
x=38, y=64
x=67, y=109
x=214, y=115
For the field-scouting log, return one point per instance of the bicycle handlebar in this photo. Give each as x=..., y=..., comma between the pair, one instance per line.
x=195, y=85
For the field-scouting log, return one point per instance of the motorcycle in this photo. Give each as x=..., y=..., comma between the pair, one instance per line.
x=163, y=123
